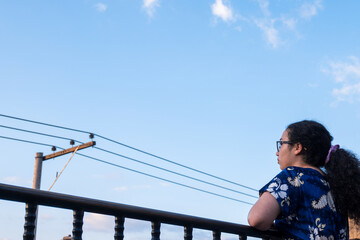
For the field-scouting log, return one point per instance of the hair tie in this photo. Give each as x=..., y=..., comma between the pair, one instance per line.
x=332, y=149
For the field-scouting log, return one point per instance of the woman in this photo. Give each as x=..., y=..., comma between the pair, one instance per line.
x=305, y=201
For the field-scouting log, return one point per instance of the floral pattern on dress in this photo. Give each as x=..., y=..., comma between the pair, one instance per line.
x=285, y=201
x=343, y=234
x=277, y=189
x=325, y=183
x=307, y=207
x=291, y=218
x=331, y=202
x=315, y=235
x=316, y=231
x=296, y=181
x=324, y=200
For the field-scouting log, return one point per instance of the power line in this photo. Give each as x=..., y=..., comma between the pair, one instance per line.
x=45, y=124
x=39, y=133
x=175, y=163
x=26, y=141
x=136, y=171
x=173, y=172
x=138, y=161
x=135, y=149
x=163, y=179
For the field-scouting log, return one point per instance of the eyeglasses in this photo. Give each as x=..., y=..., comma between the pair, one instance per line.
x=279, y=143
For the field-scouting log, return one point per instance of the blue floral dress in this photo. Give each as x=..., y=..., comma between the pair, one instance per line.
x=307, y=206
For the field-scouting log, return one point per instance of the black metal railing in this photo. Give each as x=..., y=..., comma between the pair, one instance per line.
x=32, y=198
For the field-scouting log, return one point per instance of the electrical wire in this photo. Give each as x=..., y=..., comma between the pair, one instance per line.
x=26, y=141
x=135, y=149
x=163, y=179
x=45, y=124
x=138, y=161
x=39, y=133
x=178, y=164
x=176, y=173
x=133, y=170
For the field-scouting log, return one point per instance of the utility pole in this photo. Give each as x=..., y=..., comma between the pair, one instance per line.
x=37, y=170
x=36, y=185
x=39, y=158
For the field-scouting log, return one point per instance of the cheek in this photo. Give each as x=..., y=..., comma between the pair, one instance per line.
x=280, y=152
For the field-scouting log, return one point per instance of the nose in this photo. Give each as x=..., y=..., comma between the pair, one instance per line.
x=277, y=153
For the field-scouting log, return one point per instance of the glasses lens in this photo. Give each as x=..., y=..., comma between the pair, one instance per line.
x=278, y=145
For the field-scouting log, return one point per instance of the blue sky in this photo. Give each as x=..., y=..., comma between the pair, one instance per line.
x=210, y=84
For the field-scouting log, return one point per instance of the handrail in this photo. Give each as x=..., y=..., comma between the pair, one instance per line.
x=58, y=200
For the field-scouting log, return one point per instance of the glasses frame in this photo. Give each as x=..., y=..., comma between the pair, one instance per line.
x=280, y=143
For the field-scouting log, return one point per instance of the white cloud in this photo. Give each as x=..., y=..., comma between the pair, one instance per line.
x=137, y=229
x=308, y=10
x=100, y=7
x=342, y=71
x=15, y=180
x=277, y=28
x=105, y=223
x=347, y=74
x=133, y=225
x=348, y=93
x=264, y=6
x=290, y=23
x=99, y=223
x=150, y=6
x=267, y=25
x=271, y=34
x=12, y=179
x=222, y=11
x=238, y=28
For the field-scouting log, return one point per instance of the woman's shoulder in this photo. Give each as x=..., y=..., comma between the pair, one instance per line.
x=293, y=171
x=297, y=176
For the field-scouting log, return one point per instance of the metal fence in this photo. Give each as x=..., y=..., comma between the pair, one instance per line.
x=33, y=198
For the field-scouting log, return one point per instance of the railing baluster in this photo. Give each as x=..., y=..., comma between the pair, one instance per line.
x=77, y=224
x=119, y=228
x=30, y=219
x=216, y=235
x=188, y=233
x=34, y=198
x=155, y=233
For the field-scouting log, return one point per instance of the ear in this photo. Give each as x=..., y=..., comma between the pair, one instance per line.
x=297, y=148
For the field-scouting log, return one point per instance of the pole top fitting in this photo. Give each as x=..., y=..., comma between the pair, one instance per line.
x=39, y=154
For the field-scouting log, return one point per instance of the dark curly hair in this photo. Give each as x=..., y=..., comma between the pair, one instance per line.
x=342, y=170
